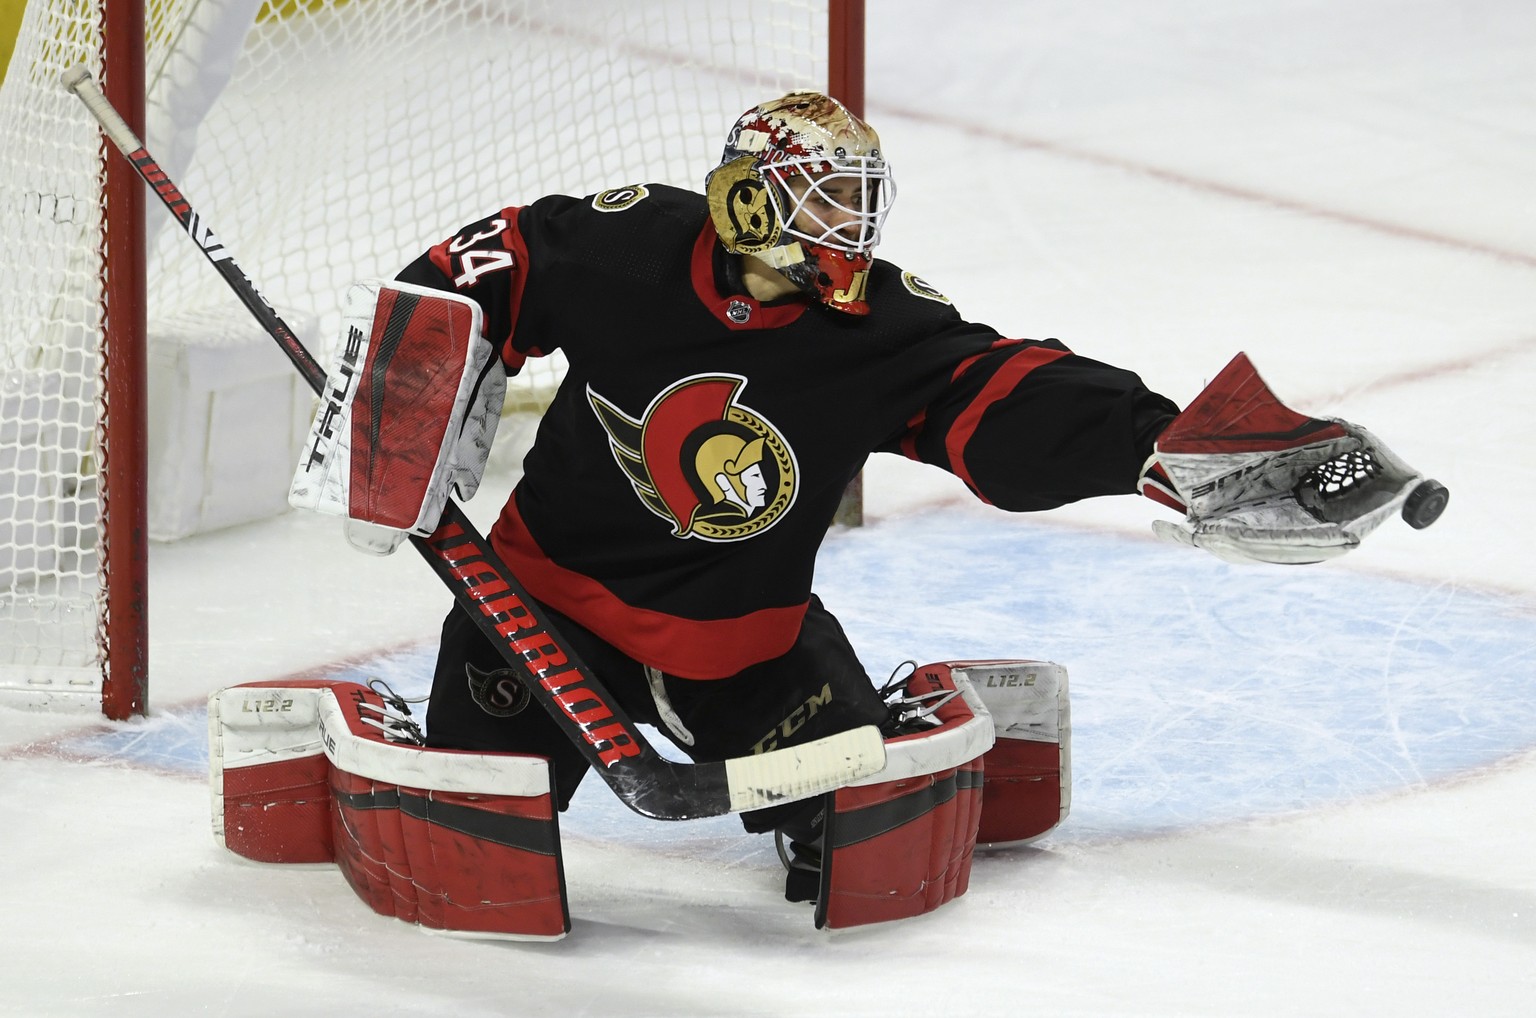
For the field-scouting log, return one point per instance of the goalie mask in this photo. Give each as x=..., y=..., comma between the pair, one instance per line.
x=803, y=186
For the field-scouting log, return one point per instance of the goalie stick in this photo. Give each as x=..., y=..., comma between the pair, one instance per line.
x=483, y=586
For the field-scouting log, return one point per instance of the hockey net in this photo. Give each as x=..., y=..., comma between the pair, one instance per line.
x=328, y=140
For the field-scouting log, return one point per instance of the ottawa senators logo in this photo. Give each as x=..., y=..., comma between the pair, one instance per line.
x=707, y=465
x=498, y=692
x=617, y=199
x=922, y=288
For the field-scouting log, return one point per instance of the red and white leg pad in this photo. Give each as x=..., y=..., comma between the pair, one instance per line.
x=460, y=842
x=899, y=843
x=1028, y=789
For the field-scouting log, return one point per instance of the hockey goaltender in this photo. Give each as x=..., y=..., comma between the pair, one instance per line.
x=735, y=356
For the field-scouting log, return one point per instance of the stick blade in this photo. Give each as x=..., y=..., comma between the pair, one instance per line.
x=799, y=772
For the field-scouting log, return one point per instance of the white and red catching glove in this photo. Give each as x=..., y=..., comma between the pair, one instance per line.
x=1260, y=482
x=407, y=416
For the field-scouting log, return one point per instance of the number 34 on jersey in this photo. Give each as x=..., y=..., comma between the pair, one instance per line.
x=473, y=262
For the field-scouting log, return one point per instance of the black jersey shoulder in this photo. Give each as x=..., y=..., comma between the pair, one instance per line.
x=630, y=210
x=909, y=295
x=640, y=231
x=903, y=308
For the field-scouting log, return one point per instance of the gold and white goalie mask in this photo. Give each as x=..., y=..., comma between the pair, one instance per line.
x=803, y=186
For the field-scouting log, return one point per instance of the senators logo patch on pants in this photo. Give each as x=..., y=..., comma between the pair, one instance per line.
x=499, y=693
x=703, y=462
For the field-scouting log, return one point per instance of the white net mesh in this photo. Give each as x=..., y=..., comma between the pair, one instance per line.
x=324, y=140
x=49, y=306
x=355, y=135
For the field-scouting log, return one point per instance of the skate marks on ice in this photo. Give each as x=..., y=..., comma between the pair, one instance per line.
x=1203, y=693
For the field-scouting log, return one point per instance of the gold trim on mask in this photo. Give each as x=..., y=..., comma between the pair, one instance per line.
x=744, y=215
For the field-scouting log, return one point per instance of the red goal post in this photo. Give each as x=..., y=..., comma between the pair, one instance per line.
x=330, y=140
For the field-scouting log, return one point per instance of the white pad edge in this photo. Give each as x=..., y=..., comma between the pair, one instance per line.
x=1030, y=701
x=252, y=725
x=908, y=756
x=441, y=770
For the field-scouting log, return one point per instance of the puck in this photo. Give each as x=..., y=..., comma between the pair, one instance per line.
x=1425, y=503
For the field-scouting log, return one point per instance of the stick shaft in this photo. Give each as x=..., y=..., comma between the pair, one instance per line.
x=79, y=81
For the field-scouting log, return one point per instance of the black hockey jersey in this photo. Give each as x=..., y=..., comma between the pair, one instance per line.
x=692, y=460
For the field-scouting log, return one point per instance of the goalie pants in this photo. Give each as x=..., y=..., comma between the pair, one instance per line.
x=817, y=688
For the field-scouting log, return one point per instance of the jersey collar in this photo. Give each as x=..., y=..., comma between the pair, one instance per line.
x=735, y=310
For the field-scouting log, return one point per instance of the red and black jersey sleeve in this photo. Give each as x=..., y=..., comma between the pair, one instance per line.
x=1029, y=425
x=488, y=262
x=632, y=287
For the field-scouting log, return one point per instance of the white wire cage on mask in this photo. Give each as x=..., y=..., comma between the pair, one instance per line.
x=803, y=196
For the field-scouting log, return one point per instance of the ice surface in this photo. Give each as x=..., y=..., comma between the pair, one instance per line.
x=1298, y=791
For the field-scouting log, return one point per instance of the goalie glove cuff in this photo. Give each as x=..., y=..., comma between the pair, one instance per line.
x=1155, y=484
